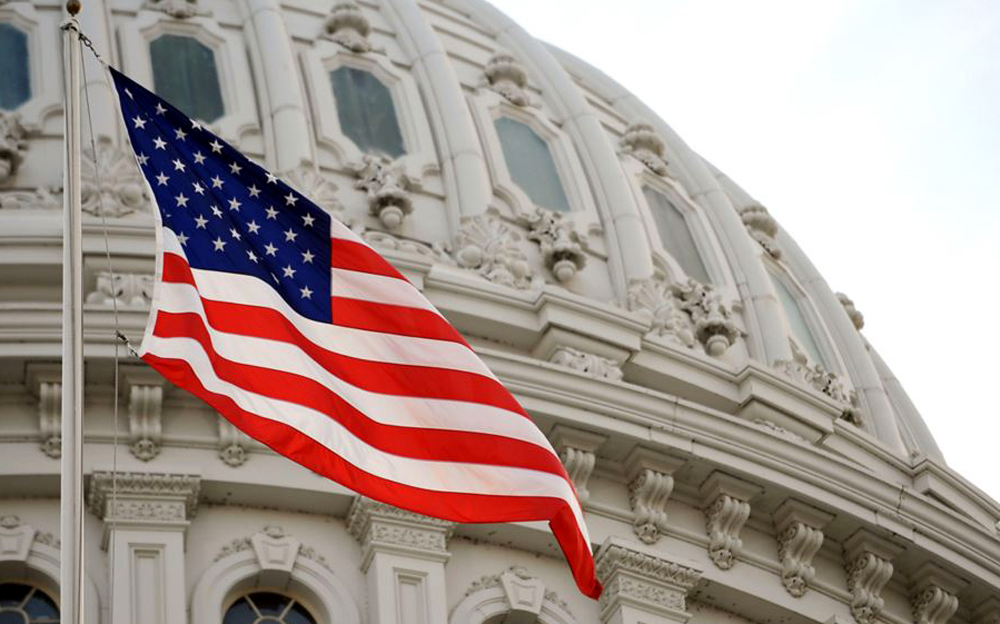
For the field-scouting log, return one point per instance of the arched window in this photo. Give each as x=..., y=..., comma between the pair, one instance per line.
x=185, y=74
x=530, y=164
x=797, y=321
x=15, y=86
x=366, y=112
x=267, y=607
x=25, y=604
x=675, y=234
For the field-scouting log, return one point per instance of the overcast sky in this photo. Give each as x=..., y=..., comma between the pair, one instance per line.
x=871, y=131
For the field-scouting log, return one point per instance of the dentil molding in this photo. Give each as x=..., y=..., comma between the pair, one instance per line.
x=868, y=560
x=383, y=528
x=726, y=501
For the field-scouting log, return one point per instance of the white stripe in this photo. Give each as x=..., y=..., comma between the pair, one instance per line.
x=389, y=409
x=377, y=289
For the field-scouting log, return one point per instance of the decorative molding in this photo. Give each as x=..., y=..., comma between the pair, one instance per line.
x=578, y=452
x=857, y=318
x=525, y=595
x=387, y=241
x=779, y=431
x=144, y=389
x=320, y=190
x=148, y=500
x=13, y=144
x=650, y=483
x=274, y=548
x=687, y=313
x=656, y=299
x=868, y=560
x=800, y=535
x=348, y=26
x=486, y=245
x=42, y=198
x=762, y=227
x=112, y=186
x=177, y=9
x=15, y=539
x=713, y=323
x=587, y=363
x=726, y=501
x=387, y=186
x=934, y=594
x=127, y=289
x=643, y=143
x=383, y=528
x=561, y=245
x=232, y=444
x=823, y=381
x=45, y=382
x=506, y=76
x=635, y=578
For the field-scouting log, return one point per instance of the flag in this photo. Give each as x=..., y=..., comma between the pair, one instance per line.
x=301, y=335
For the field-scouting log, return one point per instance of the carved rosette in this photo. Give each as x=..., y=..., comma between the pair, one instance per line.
x=13, y=144
x=560, y=244
x=111, y=187
x=232, y=444
x=387, y=187
x=726, y=501
x=383, y=528
x=125, y=289
x=577, y=450
x=178, y=9
x=637, y=579
x=934, y=594
x=321, y=191
x=651, y=482
x=713, y=323
x=507, y=77
x=643, y=143
x=800, y=536
x=869, y=567
x=488, y=246
x=762, y=227
x=348, y=26
x=856, y=317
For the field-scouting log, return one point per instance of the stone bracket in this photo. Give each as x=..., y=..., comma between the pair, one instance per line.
x=934, y=594
x=726, y=502
x=650, y=483
x=143, y=388
x=577, y=449
x=869, y=567
x=800, y=536
x=45, y=382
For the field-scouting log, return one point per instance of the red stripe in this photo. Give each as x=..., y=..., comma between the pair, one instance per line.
x=456, y=507
x=355, y=256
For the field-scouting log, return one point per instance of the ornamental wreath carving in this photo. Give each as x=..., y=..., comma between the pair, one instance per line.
x=488, y=246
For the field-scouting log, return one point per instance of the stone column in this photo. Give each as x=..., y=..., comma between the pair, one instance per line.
x=144, y=526
x=403, y=557
x=640, y=586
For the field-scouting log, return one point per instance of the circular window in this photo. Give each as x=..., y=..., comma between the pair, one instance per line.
x=24, y=604
x=262, y=608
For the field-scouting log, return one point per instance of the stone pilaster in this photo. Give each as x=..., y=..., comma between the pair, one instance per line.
x=800, y=535
x=934, y=594
x=869, y=567
x=726, y=501
x=640, y=586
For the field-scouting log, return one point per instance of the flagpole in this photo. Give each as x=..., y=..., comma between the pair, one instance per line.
x=71, y=484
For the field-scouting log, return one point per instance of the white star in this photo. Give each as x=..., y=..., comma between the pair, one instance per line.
x=291, y=199
x=307, y=257
x=182, y=238
x=178, y=165
x=161, y=179
x=199, y=158
x=128, y=93
x=254, y=191
x=271, y=213
x=234, y=233
x=195, y=124
x=160, y=143
x=200, y=222
x=308, y=219
x=289, y=271
x=216, y=211
x=216, y=146
x=220, y=244
x=143, y=159
x=306, y=293
x=180, y=134
x=290, y=235
x=159, y=109
x=198, y=188
x=271, y=178
x=235, y=168
x=234, y=204
x=252, y=256
x=253, y=227
x=216, y=182
x=270, y=249
x=139, y=122
x=182, y=201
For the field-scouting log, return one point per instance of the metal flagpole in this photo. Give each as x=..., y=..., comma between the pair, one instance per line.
x=71, y=485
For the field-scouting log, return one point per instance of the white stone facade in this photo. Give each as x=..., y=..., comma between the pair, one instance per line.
x=733, y=469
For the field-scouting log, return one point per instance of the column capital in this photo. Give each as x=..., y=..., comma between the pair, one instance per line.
x=383, y=528
x=143, y=500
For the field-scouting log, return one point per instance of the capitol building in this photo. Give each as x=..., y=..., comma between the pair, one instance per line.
x=742, y=453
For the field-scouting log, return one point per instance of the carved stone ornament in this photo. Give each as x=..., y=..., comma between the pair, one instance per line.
x=387, y=187
x=650, y=482
x=587, y=363
x=800, y=536
x=818, y=378
x=125, y=289
x=274, y=548
x=42, y=198
x=388, y=242
x=13, y=145
x=152, y=500
x=868, y=559
x=178, y=9
x=856, y=317
x=15, y=539
x=507, y=77
x=320, y=190
x=643, y=581
x=577, y=450
x=232, y=444
x=779, y=431
x=144, y=390
x=560, y=244
x=349, y=27
x=656, y=299
x=488, y=246
x=762, y=227
x=687, y=313
x=118, y=190
x=643, y=143
x=45, y=382
x=934, y=594
x=726, y=502
x=384, y=528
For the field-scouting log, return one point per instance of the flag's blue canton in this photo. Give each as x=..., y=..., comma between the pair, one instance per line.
x=227, y=212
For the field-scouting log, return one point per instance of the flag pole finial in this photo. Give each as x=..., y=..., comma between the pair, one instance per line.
x=73, y=7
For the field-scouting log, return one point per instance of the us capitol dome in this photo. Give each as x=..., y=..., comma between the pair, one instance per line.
x=742, y=453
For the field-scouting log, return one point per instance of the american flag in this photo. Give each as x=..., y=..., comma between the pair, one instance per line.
x=301, y=335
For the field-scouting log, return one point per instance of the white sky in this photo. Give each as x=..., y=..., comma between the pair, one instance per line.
x=871, y=130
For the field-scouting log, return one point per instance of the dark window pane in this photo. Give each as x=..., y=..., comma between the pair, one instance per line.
x=530, y=164
x=185, y=75
x=366, y=112
x=15, y=84
x=13, y=594
x=675, y=234
x=41, y=608
x=269, y=603
x=240, y=613
x=298, y=615
x=12, y=617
